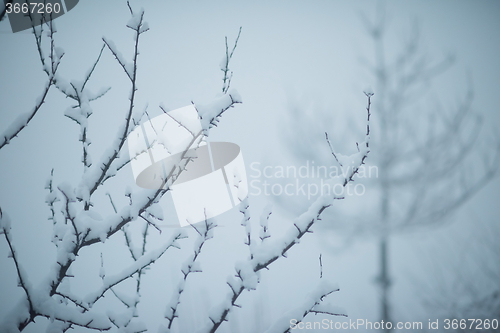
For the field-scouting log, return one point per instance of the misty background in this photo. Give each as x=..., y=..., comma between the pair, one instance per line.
x=292, y=56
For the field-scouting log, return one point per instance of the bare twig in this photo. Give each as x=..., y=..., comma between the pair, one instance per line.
x=225, y=65
x=138, y=265
x=205, y=234
x=331, y=149
x=320, y=267
x=22, y=280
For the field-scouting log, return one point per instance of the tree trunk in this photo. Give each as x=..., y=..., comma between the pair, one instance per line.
x=384, y=281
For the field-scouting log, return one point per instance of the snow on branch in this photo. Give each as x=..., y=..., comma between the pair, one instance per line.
x=139, y=264
x=39, y=301
x=23, y=120
x=21, y=274
x=77, y=223
x=210, y=113
x=224, y=64
x=98, y=175
x=312, y=304
x=271, y=252
x=136, y=21
x=56, y=55
x=205, y=233
x=245, y=221
x=50, y=200
x=127, y=67
x=264, y=221
x=54, y=310
x=268, y=252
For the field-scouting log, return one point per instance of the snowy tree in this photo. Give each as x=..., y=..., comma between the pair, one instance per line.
x=430, y=158
x=89, y=212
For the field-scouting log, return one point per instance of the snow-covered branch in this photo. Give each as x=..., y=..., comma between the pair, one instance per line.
x=312, y=304
x=245, y=222
x=23, y=120
x=264, y=221
x=56, y=55
x=210, y=113
x=268, y=252
x=205, y=233
x=81, y=112
x=138, y=265
x=21, y=274
x=98, y=175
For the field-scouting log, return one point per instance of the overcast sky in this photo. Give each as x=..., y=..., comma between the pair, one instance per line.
x=310, y=52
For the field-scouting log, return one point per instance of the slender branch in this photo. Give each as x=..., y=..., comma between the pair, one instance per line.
x=87, y=325
x=245, y=222
x=148, y=222
x=20, y=124
x=178, y=122
x=17, y=126
x=225, y=65
x=132, y=76
x=320, y=267
x=51, y=198
x=312, y=309
x=78, y=303
x=331, y=150
x=87, y=78
x=20, y=274
x=205, y=235
x=264, y=221
x=138, y=265
x=68, y=216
